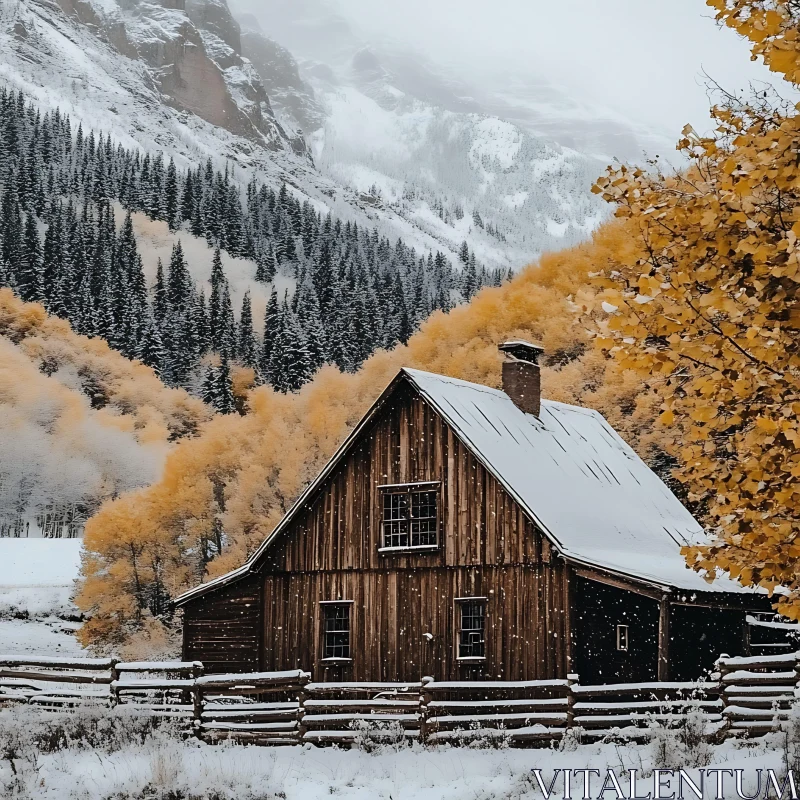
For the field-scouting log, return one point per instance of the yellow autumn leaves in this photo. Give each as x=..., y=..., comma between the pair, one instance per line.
x=719, y=262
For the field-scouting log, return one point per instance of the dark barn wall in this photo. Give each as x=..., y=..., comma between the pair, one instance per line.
x=223, y=628
x=699, y=636
x=597, y=611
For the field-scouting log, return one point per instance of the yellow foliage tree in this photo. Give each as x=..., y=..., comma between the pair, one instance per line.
x=120, y=386
x=224, y=491
x=708, y=312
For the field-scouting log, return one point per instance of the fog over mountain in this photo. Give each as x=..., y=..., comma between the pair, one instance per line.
x=560, y=70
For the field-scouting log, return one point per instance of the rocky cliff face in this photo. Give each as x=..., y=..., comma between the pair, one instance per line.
x=292, y=97
x=193, y=51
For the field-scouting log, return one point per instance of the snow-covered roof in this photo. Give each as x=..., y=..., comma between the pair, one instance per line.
x=592, y=496
x=575, y=476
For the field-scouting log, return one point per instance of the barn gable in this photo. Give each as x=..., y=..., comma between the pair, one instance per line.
x=408, y=444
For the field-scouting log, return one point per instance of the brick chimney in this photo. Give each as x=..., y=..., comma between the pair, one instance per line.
x=522, y=380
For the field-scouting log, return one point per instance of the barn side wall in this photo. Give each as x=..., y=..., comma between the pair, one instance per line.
x=223, y=628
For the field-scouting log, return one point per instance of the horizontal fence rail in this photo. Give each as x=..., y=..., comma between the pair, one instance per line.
x=758, y=692
x=744, y=697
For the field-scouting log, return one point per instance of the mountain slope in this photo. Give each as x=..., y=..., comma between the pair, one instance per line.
x=409, y=140
x=172, y=79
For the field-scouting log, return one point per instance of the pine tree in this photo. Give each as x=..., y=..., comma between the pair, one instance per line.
x=54, y=263
x=161, y=305
x=151, y=348
x=309, y=317
x=225, y=403
x=272, y=322
x=12, y=229
x=209, y=389
x=246, y=348
x=179, y=282
x=290, y=363
x=29, y=277
x=201, y=324
x=469, y=279
x=215, y=303
x=171, y=200
x=226, y=325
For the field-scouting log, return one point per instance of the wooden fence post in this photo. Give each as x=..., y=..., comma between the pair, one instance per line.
x=424, y=698
x=301, y=707
x=114, y=693
x=572, y=680
x=197, y=708
x=723, y=669
x=797, y=673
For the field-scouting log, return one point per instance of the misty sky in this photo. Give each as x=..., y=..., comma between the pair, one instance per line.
x=642, y=58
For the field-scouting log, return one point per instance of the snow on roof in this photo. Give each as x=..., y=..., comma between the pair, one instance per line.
x=576, y=477
x=595, y=499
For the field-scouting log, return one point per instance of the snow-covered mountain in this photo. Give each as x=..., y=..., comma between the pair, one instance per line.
x=169, y=76
x=380, y=139
x=416, y=141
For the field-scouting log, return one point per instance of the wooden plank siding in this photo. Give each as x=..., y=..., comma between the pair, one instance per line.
x=488, y=547
x=330, y=550
x=340, y=528
x=392, y=610
x=223, y=628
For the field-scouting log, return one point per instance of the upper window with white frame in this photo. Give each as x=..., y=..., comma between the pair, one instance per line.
x=410, y=516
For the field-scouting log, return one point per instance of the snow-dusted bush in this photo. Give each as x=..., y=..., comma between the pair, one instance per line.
x=25, y=729
x=680, y=744
x=377, y=737
x=790, y=739
x=28, y=733
x=571, y=740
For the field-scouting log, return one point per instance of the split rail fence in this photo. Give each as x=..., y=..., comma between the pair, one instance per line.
x=745, y=697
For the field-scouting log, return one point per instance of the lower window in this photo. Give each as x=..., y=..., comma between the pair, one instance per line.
x=336, y=630
x=471, y=620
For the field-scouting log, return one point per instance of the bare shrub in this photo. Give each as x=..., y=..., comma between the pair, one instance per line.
x=681, y=743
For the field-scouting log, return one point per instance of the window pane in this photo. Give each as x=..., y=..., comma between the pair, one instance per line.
x=423, y=518
x=410, y=519
x=337, y=630
x=472, y=640
x=395, y=520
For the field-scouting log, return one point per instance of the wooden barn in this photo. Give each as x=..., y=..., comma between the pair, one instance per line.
x=467, y=533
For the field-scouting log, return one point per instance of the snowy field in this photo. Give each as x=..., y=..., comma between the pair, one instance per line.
x=103, y=754
x=37, y=579
x=162, y=766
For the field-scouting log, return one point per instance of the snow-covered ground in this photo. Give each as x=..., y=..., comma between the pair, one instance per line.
x=37, y=579
x=165, y=767
x=100, y=753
